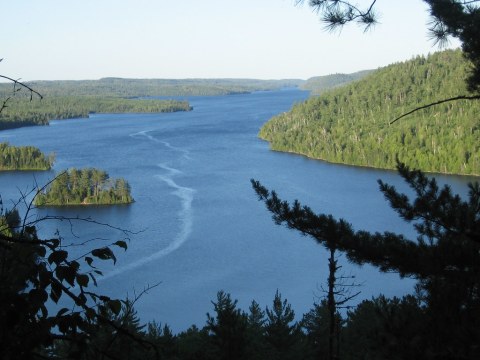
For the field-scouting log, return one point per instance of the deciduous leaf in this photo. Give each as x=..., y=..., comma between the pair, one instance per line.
x=115, y=306
x=30, y=230
x=93, y=279
x=82, y=280
x=57, y=256
x=62, y=312
x=104, y=254
x=66, y=273
x=89, y=261
x=90, y=314
x=55, y=291
x=38, y=297
x=104, y=298
x=122, y=244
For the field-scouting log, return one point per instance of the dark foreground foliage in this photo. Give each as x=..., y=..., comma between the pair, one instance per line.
x=444, y=259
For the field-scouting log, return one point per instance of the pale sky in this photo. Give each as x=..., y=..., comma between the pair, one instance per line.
x=263, y=39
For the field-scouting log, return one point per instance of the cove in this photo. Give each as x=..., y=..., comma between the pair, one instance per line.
x=197, y=226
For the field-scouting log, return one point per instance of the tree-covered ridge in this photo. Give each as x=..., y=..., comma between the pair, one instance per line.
x=351, y=125
x=24, y=158
x=73, y=99
x=87, y=186
x=120, y=87
x=23, y=112
x=320, y=84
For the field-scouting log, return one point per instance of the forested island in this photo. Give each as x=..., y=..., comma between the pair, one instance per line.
x=351, y=124
x=87, y=186
x=22, y=111
x=24, y=158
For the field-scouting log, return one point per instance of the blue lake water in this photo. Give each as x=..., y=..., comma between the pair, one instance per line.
x=198, y=225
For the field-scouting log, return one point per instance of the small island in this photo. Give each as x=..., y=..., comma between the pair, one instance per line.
x=88, y=186
x=23, y=158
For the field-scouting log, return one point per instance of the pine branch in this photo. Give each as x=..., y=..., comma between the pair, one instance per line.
x=461, y=97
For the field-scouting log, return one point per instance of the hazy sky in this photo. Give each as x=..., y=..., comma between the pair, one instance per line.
x=265, y=39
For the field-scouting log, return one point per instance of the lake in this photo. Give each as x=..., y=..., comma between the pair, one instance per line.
x=197, y=224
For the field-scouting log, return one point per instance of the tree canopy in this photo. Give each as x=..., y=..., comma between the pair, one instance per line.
x=352, y=124
x=24, y=158
x=88, y=186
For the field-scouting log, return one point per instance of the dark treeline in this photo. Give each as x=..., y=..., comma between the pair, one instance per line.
x=351, y=124
x=21, y=111
x=87, y=186
x=379, y=328
x=24, y=158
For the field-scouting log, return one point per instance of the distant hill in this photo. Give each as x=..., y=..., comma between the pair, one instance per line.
x=350, y=124
x=127, y=88
x=320, y=84
x=77, y=99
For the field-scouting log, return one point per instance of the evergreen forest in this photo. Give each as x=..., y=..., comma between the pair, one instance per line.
x=52, y=309
x=22, y=111
x=352, y=124
x=88, y=186
x=24, y=158
x=134, y=88
x=379, y=328
x=69, y=99
x=319, y=84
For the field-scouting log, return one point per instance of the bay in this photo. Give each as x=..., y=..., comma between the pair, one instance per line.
x=197, y=226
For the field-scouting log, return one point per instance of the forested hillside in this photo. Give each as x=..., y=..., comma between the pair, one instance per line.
x=320, y=84
x=351, y=124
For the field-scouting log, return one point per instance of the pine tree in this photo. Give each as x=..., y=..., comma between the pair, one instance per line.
x=228, y=328
x=445, y=258
x=282, y=333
